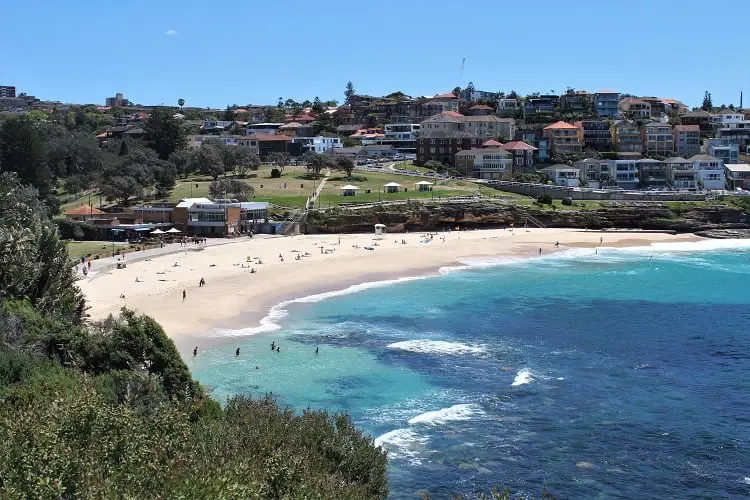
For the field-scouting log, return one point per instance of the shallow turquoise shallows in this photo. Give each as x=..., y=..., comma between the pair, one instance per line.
x=618, y=374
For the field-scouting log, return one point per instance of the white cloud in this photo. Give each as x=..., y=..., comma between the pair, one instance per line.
x=170, y=32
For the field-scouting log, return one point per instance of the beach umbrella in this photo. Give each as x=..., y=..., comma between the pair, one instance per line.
x=174, y=230
x=157, y=231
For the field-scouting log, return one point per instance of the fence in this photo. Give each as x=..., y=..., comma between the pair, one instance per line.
x=576, y=193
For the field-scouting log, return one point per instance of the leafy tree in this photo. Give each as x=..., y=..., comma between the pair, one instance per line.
x=456, y=91
x=314, y=163
x=181, y=103
x=345, y=164
x=349, y=92
x=34, y=263
x=181, y=161
x=22, y=150
x=281, y=160
x=77, y=154
x=165, y=177
x=228, y=114
x=243, y=161
x=125, y=178
x=323, y=123
x=37, y=115
x=707, y=104
x=231, y=188
x=207, y=160
x=164, y=133
x=317, y=107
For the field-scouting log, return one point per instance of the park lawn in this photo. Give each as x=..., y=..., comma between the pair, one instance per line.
x=91, y=248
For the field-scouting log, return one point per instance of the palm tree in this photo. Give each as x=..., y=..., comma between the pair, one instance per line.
x=180, y=103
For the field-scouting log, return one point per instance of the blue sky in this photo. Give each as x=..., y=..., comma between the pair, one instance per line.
x=219, y=53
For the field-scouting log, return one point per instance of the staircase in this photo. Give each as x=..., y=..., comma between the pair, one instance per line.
x=530, y=218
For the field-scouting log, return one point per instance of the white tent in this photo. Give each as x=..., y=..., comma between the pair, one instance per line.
x=379, y=230
x=157, y=231
x=423, y=185
x=174, y=230
x=349, y=190
x=392, y=187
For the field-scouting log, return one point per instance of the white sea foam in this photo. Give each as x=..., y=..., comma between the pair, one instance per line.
x=455, y=412
x=437, y=347
x=746, y=480
x=523, y=377
x=270, y=322
x=402, y=443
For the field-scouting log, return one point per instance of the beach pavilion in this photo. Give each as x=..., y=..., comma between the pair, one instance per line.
x=423, y=186
x=349, y=190
x=392, y=187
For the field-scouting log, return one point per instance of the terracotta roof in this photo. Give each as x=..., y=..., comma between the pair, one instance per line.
x=454, y=114
x=517, y=145
x=481, y=106
x=83, y=210
x=491, y=144
x=291, y=125
x=687, y=128
x=729, y=112
x=560, y=125
x=304, y=118
x=445, y=96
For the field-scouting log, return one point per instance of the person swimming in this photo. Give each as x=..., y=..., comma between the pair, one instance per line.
x=237, y=352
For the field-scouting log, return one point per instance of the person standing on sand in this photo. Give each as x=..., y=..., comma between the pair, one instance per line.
x=540, y=251
x=195, y=351
x=184, y=295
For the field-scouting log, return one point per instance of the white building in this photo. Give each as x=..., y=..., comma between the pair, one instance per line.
x=318, y=144
x=730, y=119
x=485, y=163
x=710, y=172
x=563, y=175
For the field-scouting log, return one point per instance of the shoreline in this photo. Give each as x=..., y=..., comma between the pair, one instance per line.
x=235, y=299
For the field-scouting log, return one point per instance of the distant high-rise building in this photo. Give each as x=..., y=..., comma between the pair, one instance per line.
x=7, y=91
x=118, y=100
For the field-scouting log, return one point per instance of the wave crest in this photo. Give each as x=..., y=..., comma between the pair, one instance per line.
x=523, y=377
x=455, y=412
x=437, y=347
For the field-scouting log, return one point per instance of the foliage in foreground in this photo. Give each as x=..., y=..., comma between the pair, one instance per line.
x=110, y=410
x=63, y=439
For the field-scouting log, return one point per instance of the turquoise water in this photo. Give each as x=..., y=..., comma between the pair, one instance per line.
x=622, y=374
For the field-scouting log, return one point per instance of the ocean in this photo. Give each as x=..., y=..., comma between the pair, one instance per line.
x=618, y=374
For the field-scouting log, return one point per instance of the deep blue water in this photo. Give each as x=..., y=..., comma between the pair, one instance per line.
x=624, y=374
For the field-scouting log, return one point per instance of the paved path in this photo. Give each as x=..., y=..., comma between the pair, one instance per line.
x=319, y=189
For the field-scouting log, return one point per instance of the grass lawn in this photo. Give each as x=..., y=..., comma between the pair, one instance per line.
x=93, y=248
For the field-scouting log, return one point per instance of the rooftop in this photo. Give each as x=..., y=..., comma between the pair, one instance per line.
x=687, y=128
x=737, y=167
x=84, y=210
x=559, y=126
x=518, y=145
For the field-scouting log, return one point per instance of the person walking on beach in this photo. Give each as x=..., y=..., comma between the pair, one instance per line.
x=184, y=295
x=540, y=251
x=195, y=351
x=202, y=283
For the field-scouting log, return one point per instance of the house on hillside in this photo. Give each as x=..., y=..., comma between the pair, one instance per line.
x=563, y=175
x=687, y=139
x=564, y=137
x=485, y=163
x=658, y=139
x=607, y=103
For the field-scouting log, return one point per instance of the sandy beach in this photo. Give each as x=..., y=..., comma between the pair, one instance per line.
x=234, y=297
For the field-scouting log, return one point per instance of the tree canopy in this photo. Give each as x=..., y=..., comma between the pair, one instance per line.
x=164, y=133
